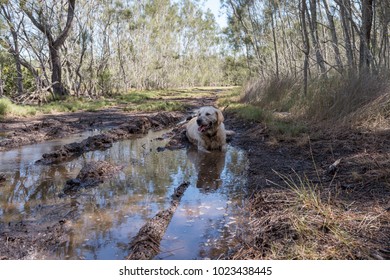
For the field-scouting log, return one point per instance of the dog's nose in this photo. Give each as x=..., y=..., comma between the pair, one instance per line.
x=199, y=121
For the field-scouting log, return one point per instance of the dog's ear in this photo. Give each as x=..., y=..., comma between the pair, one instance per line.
x=220, y=117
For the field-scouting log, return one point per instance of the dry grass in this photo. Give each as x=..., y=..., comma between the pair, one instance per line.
x=374, y=115
x=273, y=94
x=301, y=220
x=352, y=100
x=340, y=98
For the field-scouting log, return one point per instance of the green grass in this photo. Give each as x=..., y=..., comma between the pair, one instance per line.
x=73, y=105
x=137, y=97
x=287, y=128
x=8, y=108
x=250, y=112
x=146, y=101
x=155, y=106
x=282, y=127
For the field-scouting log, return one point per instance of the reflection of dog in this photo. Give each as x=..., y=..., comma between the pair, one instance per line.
x=207, y=130
x=209, y=167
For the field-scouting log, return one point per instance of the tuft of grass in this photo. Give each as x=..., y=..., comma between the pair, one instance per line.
x=323, y=229
x=337, y=97
x=5, y=105
x=287, y=128
x=7, y=108
x=299, y=219
x=352, y=99
x=251, y=112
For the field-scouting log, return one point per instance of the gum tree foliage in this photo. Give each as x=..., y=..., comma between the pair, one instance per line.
x=104, y=47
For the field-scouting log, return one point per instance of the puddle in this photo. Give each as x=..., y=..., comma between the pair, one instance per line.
x=202, y=227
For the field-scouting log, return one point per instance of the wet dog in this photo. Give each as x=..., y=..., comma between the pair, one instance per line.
x=207, y=131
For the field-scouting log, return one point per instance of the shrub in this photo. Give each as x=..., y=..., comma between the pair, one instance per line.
x=4, y=106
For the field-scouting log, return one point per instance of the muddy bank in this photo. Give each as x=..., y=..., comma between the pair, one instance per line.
x=39, y=238
x=24, y=131
x=302, y=207
x=138, y=125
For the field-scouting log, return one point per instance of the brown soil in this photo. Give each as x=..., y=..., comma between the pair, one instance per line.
x=357, y=190
x=91, y=175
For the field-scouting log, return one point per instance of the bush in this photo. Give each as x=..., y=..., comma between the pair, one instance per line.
x=5, y=105
x=8, y=108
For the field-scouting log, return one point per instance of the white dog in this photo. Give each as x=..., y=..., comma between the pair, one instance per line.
x=207, y=131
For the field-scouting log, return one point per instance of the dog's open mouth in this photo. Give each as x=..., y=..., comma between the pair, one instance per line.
x=203, y=128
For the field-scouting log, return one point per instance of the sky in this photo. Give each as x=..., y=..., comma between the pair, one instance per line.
x=214, y=6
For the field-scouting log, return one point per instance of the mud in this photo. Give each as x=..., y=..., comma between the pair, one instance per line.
x=29, y=239
x=139, y=125
x=16, y=132
x=349, y=167
x=91, y=175
x=42, y=237
x=146, y=244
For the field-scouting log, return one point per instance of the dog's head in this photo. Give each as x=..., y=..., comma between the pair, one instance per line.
x=209, y=118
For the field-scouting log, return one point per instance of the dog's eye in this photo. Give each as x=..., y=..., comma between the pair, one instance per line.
x=207, y=114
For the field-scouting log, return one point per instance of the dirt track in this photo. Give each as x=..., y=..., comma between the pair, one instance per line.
x=361, y=178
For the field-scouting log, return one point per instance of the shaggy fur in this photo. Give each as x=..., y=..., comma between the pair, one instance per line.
x=207, y=131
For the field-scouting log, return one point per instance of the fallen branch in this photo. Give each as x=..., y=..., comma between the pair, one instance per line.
x=146, y=244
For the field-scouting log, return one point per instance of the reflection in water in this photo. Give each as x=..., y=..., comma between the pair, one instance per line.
x=112, y=213
x=208, y=168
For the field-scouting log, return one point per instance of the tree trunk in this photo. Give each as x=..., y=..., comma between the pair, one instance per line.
x=14, y=49
x=306, y=46
x=344, y=4
x=365, y=34
x=275, y=44
x=314, y=35
x=56, y=74
x=54, y=45
x=335, y=42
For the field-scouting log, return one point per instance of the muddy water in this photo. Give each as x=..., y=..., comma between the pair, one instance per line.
x=112, y=213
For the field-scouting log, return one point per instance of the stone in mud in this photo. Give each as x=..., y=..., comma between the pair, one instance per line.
x=91, y=175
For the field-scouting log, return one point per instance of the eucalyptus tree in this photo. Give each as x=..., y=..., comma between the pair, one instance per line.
x=310, y=38
x=41, y=15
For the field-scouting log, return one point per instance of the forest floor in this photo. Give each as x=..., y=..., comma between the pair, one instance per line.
x=299, y=207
